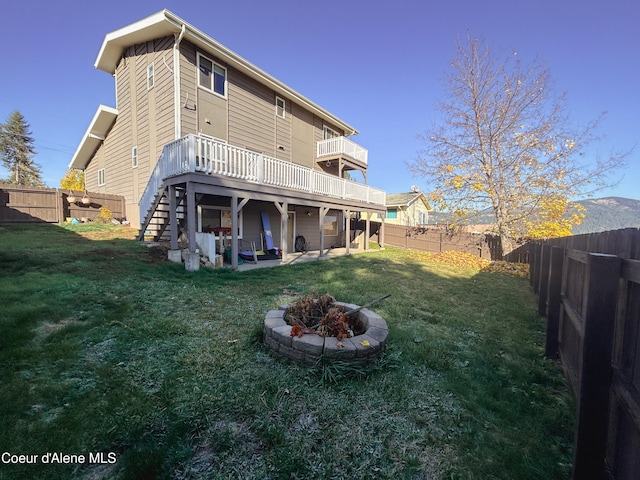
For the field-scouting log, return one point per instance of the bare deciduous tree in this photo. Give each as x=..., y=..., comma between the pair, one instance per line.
x=506, y=143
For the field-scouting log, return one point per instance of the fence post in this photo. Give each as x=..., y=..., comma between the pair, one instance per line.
x=535, y=267
x=556, y=262
x=60, y=206
x=601, y=289
x=545, y=255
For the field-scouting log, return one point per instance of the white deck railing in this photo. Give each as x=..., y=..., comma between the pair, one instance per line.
x=341, y=146
x=204, y=155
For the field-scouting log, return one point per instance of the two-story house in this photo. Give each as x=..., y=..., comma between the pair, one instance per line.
x=202, y=140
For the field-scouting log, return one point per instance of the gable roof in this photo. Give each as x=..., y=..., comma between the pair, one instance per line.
x=96, y=132
x=166, y=23
x=406, y=199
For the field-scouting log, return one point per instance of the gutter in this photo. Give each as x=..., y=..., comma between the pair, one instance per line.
x=176, y=83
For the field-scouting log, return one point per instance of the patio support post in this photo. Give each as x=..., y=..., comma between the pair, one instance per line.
x=191, y=217
x=323, y=211
x=381, y=235
x=284, y=227
x=234, y=232
x=347, y=233
x=173, y=217
x=367, y=231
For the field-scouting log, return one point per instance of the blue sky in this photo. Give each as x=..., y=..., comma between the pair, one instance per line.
x=377, y=65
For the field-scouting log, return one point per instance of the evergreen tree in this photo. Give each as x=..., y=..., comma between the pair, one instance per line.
x=17, y=151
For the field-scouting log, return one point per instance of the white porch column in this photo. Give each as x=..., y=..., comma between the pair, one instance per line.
x=347, y=232
x=322, y=213
x=284, y=227
x=367, y=230
x=234, y=232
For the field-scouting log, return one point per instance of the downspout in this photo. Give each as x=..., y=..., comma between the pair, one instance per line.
x=176, y=83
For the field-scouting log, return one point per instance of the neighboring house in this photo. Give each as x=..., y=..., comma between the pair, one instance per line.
x=201, y=139
x=409, y=209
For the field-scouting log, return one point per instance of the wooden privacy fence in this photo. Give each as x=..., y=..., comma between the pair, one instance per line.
x=592, y=303
x=439, y=240
x=34, y=204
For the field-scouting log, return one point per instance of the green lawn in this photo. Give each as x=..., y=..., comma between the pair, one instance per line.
x=106, y=349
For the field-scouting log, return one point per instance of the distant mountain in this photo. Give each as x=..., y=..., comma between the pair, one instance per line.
x=601, y=214
x=609, y=213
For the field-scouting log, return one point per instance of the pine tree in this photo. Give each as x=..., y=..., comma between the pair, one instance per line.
x=17, y=151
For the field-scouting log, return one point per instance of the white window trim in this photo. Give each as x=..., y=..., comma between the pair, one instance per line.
x=150, y=76
x=284, y=107
x=134, y=157
x=213, y=66
x=328, y=130
x=101, y=177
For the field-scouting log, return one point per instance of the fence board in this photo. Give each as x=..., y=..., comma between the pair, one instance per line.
x=624, y=415
x=437, y=240
x=598, y=341
x=35, y=204
x=554, y=298
x=593, y=319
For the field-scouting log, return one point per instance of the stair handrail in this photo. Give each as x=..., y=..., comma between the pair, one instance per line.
x=177, y=157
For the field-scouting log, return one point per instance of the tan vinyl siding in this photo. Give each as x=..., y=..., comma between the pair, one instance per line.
x=283, y=132
x=309, y=228
x=303, y=147
x=91, y=172
x=188, y=94
x=145, y=119
x=251, y=114
x=163, y=103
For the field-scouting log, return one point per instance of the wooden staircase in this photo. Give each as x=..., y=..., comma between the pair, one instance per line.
x=157, y=219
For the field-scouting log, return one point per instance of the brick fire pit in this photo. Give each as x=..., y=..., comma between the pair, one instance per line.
x=310, y=347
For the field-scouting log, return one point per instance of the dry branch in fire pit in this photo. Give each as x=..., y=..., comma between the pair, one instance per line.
x=320, y=316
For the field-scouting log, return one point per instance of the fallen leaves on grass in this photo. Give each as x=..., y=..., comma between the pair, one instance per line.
x=510, y=268
x=460, y=259
x=467, y=260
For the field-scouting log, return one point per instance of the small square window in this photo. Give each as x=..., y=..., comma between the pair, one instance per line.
x=392, y=213
x=101, y=179
x=134, y=157
x=150, y=76
x=280, y=107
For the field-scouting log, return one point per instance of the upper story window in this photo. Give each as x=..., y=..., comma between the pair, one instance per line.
x=280, y=107
x=101, y=179
x=392, y=213
x=212, y=76
x=150, y=77
x=134, y=157
x=328, y=133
